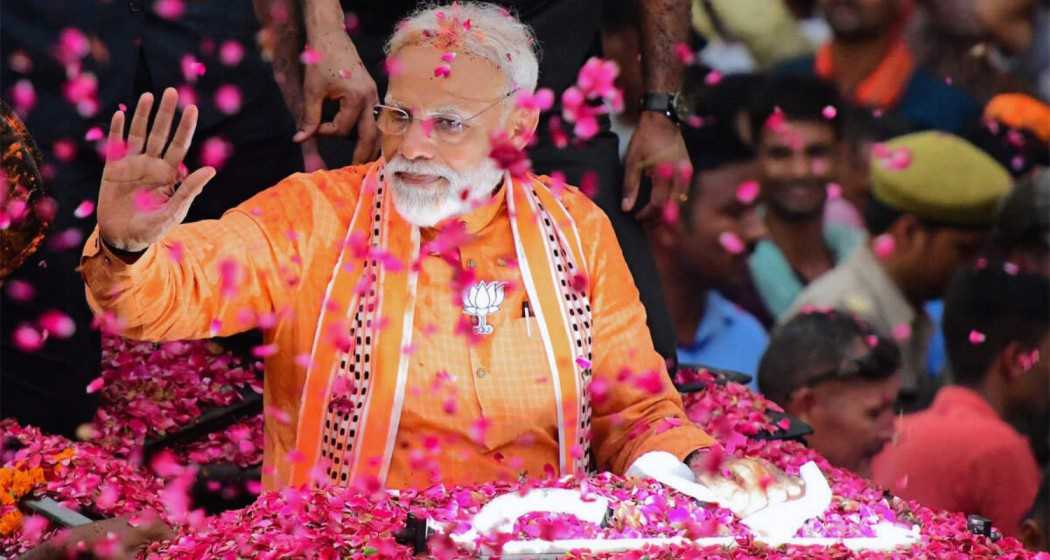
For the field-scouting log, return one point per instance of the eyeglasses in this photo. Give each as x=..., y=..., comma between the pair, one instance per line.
x=447, y=128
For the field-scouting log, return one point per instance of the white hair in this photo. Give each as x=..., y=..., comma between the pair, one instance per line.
x=482, y=29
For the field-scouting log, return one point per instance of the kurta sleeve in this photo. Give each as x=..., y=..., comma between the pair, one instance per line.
x=214, y=277
x=636, y=408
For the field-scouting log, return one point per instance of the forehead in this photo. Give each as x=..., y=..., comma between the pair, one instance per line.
x=472, y=80
x=801, y=133
x=867, y=393
x=720, y=184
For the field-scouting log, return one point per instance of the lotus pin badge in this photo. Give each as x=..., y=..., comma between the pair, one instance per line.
x=481, y=300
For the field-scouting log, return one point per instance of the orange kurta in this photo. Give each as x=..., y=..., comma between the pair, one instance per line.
x=286, y=241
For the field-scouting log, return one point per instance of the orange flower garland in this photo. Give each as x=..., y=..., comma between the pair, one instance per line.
x=16, y=482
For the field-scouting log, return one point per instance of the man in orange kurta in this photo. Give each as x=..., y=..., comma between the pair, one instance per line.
x=286, y=241
x=379, y=369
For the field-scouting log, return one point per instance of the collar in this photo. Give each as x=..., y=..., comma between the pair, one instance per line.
x=885, y=85
x=889, y=299
x=717, y=318
x=955, y=397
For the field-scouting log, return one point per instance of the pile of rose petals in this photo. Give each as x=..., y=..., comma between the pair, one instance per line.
x=93, y=481
x=150, y=390
x=331, y=522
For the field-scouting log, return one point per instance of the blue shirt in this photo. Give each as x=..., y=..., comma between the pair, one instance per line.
x=727, y=338
x=937, y=356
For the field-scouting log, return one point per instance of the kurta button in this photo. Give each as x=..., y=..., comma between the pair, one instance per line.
x=471, y=263
x=481, y=373
x=500, y=261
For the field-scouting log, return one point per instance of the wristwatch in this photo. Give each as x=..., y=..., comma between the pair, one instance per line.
x=663, y=103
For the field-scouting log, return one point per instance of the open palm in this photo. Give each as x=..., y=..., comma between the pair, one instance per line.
x=141, y=196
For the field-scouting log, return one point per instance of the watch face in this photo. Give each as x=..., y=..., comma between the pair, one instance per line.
x=679, y=106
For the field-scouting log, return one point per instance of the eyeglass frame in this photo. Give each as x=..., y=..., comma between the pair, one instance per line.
x=379, y=107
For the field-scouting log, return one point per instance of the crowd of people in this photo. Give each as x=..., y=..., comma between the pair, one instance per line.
x=846, y=200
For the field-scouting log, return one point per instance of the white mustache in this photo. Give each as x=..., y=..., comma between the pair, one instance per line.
x=402, y=165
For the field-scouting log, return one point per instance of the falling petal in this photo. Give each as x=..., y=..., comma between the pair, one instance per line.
x=731, y=242
x=191, y=68
x=883, y=246
x=93, y=134
x=57, y=323
x=747, y=191
x=684, y=53
x=393, y=66
x=27, y=339
x=309, y=56
x=231, y=52
x=169, y=9
x=84, y=209
x=148, y=201
x=228, y=99
x=215, y=151
x=96, y=385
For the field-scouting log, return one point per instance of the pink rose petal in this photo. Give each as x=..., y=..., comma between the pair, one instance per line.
x=169, y=9
x=95, y=385
x=84, y=209
x=883, y=246
x=747, y=191
x=231, y=52
x=228, y=99
x=731, y=242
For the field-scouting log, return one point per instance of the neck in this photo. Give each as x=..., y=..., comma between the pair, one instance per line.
x=855, y=59
x=802, y=244
x=686, y=298
x=896, y=271
x=992, y=392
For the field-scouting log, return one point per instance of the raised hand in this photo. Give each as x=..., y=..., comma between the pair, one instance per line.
x=340, y=74
x=141, y=196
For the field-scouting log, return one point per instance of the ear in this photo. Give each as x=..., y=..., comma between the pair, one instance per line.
x=908, y=234
x=1014, y=361
x=1032, y=536
x=522, y=125
x=743, y=129
x=801, y=403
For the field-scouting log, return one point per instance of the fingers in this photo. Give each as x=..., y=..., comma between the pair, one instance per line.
x=311, y=116
x=158, y=136
x=795, y=487
x=343, y=122
x=140, y=124
x=661, y=194
x=116, y=137
x=632, y=181
x=683, y=177
x=180, y=144
x=190, y=188
x=367, y=139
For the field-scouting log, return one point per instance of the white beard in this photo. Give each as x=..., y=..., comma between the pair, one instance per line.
x=427, y=206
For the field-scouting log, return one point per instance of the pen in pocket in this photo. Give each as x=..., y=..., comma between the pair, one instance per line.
x=526, y=311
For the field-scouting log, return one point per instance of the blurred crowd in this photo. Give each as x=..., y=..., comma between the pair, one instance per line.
x=847, y=200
